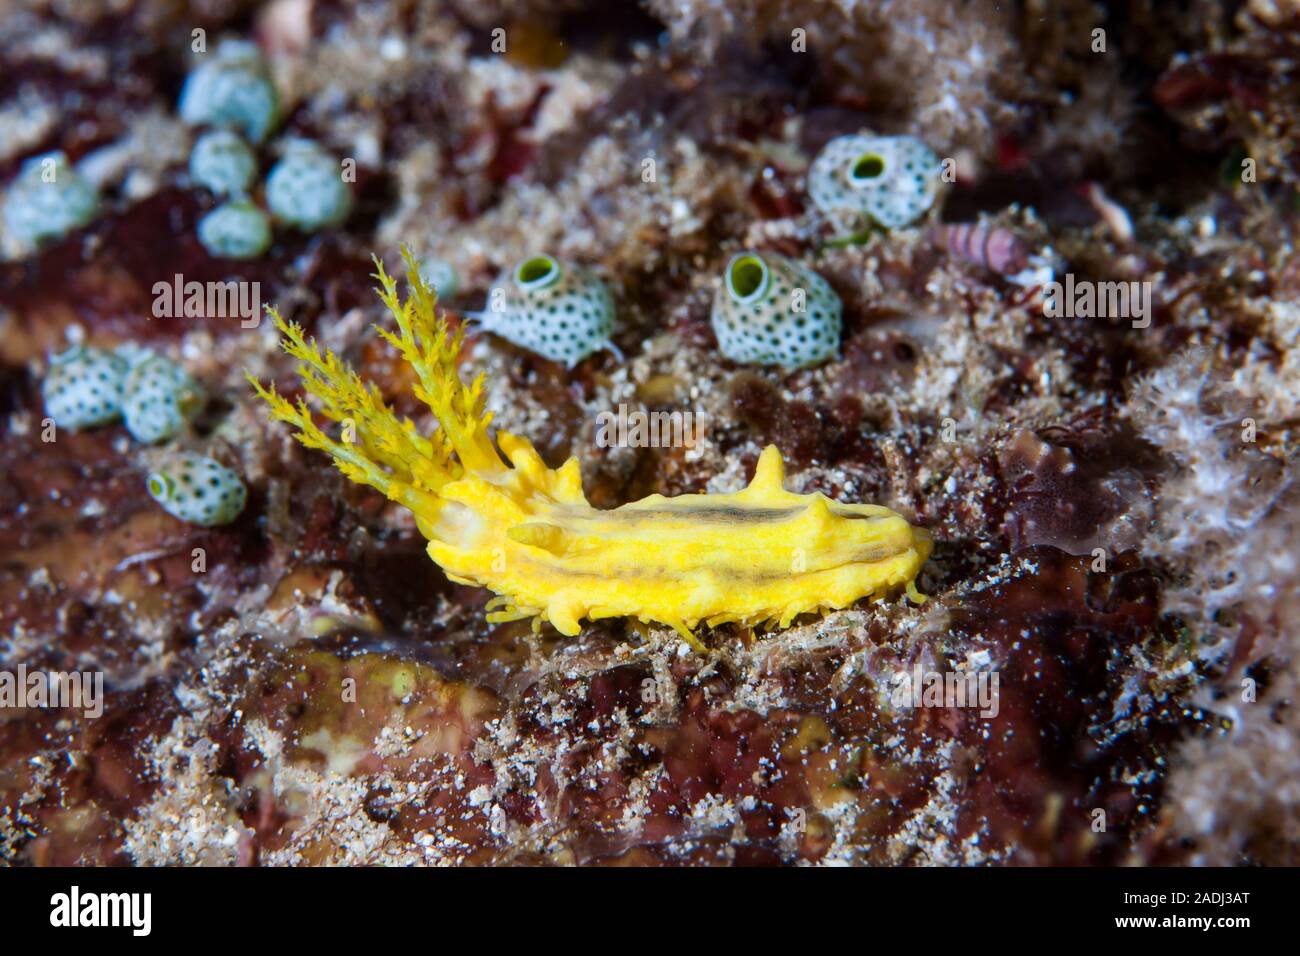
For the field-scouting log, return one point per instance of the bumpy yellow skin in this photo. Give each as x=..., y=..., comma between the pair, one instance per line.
x=528, y=533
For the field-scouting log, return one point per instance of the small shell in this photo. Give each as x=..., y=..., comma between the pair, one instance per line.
x=891, y=180
x=235, y=230
x=306, y=188
x=231, y=89
x=198, y=490
x=772, y=310
x=993, y=247
x=83, y=388
x=557, y=309
x=48, y=200
x=159, y=397
x=223, y=164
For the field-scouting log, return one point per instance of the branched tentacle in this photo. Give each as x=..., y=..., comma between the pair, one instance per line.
x=345, y=398
x=352, y=461
x=428, y=347
x=378, y=448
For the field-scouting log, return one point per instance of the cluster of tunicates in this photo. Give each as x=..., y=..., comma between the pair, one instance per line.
x=156, y=398
x=232, y=94
x=86, y=387
x=769, y=309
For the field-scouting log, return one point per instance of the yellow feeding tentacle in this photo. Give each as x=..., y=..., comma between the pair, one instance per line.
x=424, y=341
x=528, y=533
x=360, y=409
x=354, y=463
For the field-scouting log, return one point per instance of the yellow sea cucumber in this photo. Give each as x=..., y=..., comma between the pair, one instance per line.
x=528, y=533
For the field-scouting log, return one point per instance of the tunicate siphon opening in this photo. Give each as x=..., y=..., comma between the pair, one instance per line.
x=159, y=486
x=866, y=167
x=747, y=277
x=537, y=272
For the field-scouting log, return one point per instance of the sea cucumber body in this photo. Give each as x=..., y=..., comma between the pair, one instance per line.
x=751, y=556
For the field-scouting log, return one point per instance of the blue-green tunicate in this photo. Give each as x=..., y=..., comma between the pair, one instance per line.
x=235, y=230
x=231, y=89
x=222, y=163
x=48, y=200
x=306, y=188
x=197, y=489
x=441, y=275
x=83, y=387
x=158, y=398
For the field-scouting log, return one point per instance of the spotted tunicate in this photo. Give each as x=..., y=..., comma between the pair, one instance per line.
x=235, y=230
x=557, y=309
x=306, y=189
x=48, y=200
x=197, y=489
x=772, y=310
x=83, y=387
x=231, y=89
x=158, y=398
x=222, y=163
x=863, y=178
